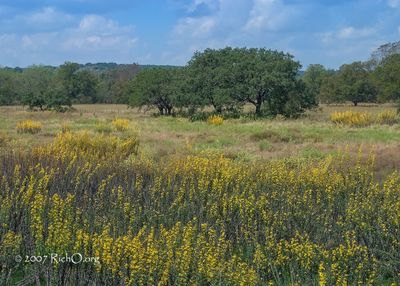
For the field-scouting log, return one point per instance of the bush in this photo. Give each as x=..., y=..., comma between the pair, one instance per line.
x=388, y=117
x=215, y=120
x=29, y=126
x=91, y=146
x=103, y=127
x=352, y=118
x=362, y=119
x=120, y=124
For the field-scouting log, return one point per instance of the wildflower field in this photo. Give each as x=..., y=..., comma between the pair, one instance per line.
x=188, y=211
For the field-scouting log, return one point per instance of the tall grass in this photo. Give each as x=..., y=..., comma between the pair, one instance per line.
x=198, y=220
x=29, y=126
x=362, y=119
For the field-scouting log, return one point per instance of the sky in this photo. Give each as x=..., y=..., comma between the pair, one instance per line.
x=167, y=32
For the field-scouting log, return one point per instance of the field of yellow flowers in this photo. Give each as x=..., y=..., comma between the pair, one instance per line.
x=202, y=219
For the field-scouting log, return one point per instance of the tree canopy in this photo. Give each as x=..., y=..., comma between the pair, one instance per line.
x=156, y=87
x=387, y=76
x=231, y=77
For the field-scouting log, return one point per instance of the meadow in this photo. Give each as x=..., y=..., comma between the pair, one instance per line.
x=167, y=201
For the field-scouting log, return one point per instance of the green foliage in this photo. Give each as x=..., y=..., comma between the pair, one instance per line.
x=356, y=84
x=330, y=90
x=228, y=78
x=314, y=77
x=36, y=82
x=159, y=88
x=353, y=82
x=211, y=79
x=387, y=76
x=79, y=85
x=86, y=86
x=7, y=86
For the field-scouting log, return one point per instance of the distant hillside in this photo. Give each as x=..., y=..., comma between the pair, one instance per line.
x=158, y=66
x=103, y=67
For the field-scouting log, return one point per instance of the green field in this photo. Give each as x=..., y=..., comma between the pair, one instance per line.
x=167, y=201
x=313, y=135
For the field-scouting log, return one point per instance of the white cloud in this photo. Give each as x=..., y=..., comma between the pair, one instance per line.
x=91, y=38
x=47, y=16
x=95, y=32
x=233, y=23
x=269, y=15
x=212, y=4
x=346, y=33
x=394, y=3
x=196, y=27
x=351, y=32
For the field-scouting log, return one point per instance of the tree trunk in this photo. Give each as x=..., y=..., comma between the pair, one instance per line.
x=258, y=108
x=259, y=103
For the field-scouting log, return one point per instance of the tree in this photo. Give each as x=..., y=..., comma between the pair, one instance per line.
x=8, y=94
x=210, y=79
x=36, y=81
x=387, y=77
x=265, y=78
x=385, y=51
x=80, y=85
x=66, y=74
x=330, y=90
x=356, y=84
x=156, y=87
x=85, y=85
x=314, y=77
x=114, y=83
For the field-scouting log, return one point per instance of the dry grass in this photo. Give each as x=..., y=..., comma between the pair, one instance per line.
x=161, y=137
x=29, y=126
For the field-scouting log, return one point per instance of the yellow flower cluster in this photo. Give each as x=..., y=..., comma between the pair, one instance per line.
x=120, y=124
x=215, y=120
x=362, y=119
x=198, y=220
x=29, y=126
x=389, y=117
x=84, y=145
x=352, y=118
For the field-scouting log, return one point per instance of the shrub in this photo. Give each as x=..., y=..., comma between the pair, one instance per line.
x=103, y=127
x=387, y=117
x=121, y=124
x=361, y=119
x=29, y=126
x=91, y=146
x=215, y=120
x=352, y=118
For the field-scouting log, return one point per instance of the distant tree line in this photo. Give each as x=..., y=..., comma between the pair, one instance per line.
x=57, y=88
x=376, y=80
x=220, y=81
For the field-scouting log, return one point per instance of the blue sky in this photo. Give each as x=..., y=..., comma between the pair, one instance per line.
x=330, y=32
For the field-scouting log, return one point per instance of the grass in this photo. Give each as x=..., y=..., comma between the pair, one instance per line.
x=196, y=203
x=261, y=139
